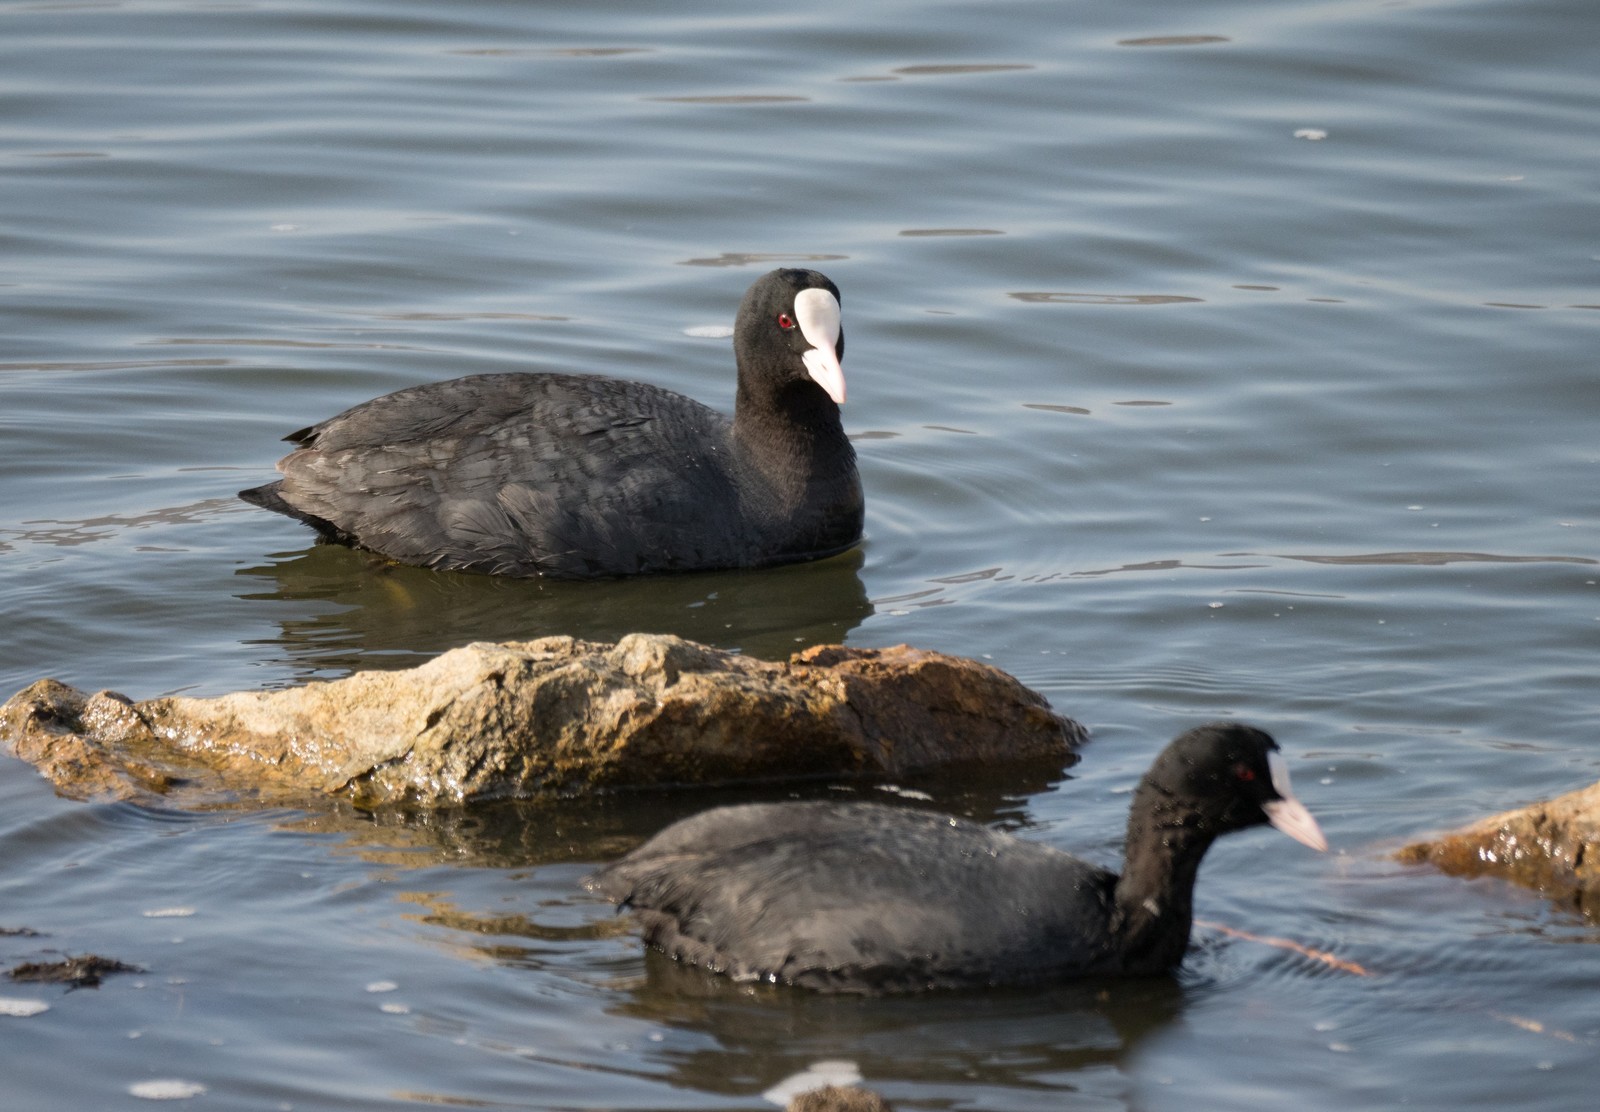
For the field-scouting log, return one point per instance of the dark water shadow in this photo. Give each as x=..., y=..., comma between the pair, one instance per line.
x=524, y=834
x=353, y=611
x=1049, y=1040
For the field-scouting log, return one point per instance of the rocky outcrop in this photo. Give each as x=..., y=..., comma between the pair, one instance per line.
x=551, y=717
x=1553, y=846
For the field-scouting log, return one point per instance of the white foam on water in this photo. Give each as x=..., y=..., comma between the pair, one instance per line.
x=818, y=1075
x=166, y=1089
x=15, y=1005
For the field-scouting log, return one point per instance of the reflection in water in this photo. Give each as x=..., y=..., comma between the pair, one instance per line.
x=370, y=613
x=67, y=533
x=1058, y=1039
x=513, y=834
x=1147, y=565
x=438, y=910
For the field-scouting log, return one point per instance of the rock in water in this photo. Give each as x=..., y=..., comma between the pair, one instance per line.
x=1552, y=845
x=551, y=717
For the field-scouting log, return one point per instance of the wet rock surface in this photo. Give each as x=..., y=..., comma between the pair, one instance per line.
x=1552, y=846
x=544, y=718
x=838, y=1098
x=84, y=971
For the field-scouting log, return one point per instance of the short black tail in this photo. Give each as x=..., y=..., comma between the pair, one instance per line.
x=269, y=498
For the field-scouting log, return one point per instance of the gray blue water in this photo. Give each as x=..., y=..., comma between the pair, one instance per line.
x=1205, y=359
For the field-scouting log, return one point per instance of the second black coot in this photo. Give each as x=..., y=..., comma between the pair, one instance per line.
x=864, y=897
x=585, y=476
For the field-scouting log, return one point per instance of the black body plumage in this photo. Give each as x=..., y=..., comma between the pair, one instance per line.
x=585, y=476
x=865, y=897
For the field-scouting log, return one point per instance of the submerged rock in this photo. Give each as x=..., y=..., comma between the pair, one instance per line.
x=1552, y=846
x=551, y=717
x=84, y=971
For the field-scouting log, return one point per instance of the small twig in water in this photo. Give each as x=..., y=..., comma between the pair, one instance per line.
x=1287, y=944
x=1534, y=1026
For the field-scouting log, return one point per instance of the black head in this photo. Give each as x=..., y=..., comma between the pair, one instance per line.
x=788, y=329
x=1231, y=776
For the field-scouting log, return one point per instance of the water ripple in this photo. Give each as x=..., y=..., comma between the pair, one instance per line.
x=1428, y=559
x=1174, y=40
x=1103, y=298
x=957, y=69
x=748, y=258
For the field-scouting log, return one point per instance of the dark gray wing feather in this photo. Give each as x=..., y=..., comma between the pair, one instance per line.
x=863, y=898
x=521, y=474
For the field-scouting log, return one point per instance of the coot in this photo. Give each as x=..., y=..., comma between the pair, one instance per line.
x=864, y=897
x=585, y=476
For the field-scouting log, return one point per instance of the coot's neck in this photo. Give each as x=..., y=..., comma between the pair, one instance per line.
x=1154, y=898
x=790, y=437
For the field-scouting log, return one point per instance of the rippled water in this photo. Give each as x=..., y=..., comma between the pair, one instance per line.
x=1205, y=359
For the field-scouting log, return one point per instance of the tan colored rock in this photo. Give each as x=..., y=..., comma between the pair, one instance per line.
x=549, y=717
x=838, y=1098
x=1553, y=846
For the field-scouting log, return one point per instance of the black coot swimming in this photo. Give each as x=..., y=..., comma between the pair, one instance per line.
x=584, y=476
x=863, y=897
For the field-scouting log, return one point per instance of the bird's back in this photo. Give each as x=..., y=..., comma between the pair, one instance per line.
x=523, y=474
x=864, y=898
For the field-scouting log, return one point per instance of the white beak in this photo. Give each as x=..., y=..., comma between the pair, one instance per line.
x=817, y=313
x=1288, y=814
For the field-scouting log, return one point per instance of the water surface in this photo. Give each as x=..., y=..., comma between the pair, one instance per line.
x=1205, y=360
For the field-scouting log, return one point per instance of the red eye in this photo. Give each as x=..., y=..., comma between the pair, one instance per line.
x=785, y=321
x=1244, y=773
